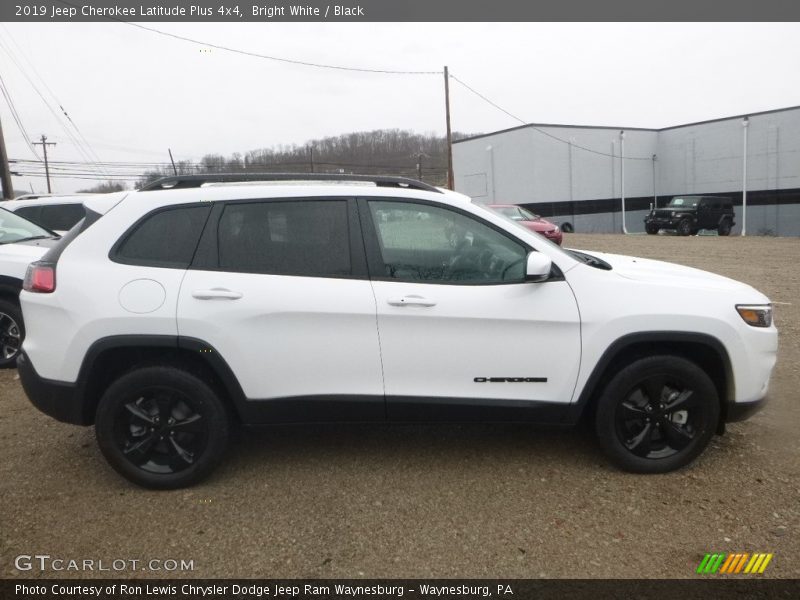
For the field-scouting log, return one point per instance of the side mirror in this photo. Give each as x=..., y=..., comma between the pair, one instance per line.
x=538, y=267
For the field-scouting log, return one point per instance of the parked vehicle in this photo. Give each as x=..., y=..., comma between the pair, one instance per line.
x=533, y=222
x=689, y=214
x=56, y=212
x=185, y=311
x=21, y=242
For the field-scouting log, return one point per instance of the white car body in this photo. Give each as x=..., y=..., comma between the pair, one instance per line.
x=414, y=345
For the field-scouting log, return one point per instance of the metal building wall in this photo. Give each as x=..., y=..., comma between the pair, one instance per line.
x=573, y=174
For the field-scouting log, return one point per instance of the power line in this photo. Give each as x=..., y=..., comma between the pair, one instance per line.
x=542, y=131
x=16, y=117
x=55, y=114
x=265, y=56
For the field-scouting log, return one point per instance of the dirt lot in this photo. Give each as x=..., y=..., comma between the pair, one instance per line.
x=455, y=501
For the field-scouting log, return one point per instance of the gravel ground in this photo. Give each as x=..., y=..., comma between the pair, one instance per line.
x=425, y=501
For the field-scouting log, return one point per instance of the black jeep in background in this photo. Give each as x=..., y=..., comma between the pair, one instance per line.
x=689, y=214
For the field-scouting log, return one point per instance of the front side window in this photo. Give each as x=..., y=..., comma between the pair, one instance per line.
x=166, y=238
x=303, y=237
x=419, y=242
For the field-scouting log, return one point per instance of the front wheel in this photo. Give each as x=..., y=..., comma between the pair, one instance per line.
x=657, y=414
x=651, y=229
x=685, y=227
x=161, y=427
x=12, y=332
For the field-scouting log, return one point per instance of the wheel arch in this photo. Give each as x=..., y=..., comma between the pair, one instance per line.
x=111, y=357
x=703, y=349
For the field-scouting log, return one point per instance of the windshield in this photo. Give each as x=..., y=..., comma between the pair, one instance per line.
x=14, y=228
x=685, y=201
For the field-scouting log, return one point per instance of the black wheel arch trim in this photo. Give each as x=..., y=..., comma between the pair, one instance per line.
x=654, y=337
x=10, y=286
x=205, y=352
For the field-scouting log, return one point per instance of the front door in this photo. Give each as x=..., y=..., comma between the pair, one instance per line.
x=462, y=335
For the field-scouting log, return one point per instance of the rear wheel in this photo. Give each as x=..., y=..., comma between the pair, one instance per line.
x=685, y=227
x=724, y=227
x=657, y=415
x=161, y=427
x=12, y=332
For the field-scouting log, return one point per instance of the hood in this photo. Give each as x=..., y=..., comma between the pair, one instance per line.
x=32, y=249
x=657, y=271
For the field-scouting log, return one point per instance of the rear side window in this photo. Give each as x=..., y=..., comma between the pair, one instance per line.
x=165, y=238
x=61, y=217
x=306, y=237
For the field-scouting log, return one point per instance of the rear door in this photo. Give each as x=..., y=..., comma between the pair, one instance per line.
x=462, y=335
x=279, y=289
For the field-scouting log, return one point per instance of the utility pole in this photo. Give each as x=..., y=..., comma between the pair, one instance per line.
x=44, y=144
x=311, y=155
x=419, y=166
x=172, y=160
x=5, y=173
x=449, y=133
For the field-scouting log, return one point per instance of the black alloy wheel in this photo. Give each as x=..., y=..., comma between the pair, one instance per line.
x=685, y=227
x=657, y=414
x=161, y=427
x=651, y=229
x=724, y=227
x=12, y=332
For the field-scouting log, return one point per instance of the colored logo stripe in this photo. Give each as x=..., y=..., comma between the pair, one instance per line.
x=741, y=562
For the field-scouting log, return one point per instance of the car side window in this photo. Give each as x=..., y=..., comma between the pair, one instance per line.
x=298, y=237
x=420, y=242
x=164, y=238
x=61, y=217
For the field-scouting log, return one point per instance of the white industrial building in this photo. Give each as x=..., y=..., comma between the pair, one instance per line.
x=583, y=175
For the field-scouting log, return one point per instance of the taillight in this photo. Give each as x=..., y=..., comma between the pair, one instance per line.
x=40, y=277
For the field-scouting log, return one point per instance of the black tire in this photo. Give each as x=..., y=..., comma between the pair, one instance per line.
x=634, y=423
x=684, y=227
x=651, y=229
x=161, y=427
x=12, y=332
x=724, y=227
x=567, y=227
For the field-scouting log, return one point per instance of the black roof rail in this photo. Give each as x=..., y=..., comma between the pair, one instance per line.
x=195, y=181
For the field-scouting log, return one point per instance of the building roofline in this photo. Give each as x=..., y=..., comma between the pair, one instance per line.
x=535, y=125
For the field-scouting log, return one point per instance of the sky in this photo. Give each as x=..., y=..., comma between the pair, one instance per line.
x=132, y=94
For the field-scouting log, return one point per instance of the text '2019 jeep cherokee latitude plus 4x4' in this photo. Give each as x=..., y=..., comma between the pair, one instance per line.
x=182, y=311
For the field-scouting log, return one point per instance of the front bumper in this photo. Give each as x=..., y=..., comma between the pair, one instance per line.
x=57, y=399
x=740, y=411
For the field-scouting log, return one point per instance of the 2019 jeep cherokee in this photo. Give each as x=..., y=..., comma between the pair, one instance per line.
x=180, y=312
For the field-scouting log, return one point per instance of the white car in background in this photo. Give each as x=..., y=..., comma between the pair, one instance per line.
x=56, y=212
x=21, y=242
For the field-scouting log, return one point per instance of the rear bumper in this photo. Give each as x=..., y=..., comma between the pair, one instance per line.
x=57, y=399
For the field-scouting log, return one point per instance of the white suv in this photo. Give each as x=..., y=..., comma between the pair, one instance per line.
x=181, y=312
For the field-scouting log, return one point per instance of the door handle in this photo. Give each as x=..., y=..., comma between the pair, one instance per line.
x=216, y=293
x=411, y=300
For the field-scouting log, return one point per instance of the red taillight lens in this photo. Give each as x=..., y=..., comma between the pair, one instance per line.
x=40, y=278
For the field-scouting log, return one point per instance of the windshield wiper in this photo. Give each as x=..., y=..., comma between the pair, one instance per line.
x=33, y=237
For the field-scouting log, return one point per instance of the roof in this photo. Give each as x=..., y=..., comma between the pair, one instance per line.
x=622, y=128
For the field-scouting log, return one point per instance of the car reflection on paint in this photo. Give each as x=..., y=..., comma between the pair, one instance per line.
x=533, y=222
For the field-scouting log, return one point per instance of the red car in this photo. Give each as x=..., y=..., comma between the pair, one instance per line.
x=533, y=222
